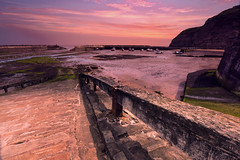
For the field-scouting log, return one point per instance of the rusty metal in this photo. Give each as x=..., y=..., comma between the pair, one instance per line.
x=86, y=80
x=94, y=87
x=116, y=107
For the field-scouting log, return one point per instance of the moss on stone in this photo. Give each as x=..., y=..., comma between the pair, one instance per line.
x=39, y=60
x=211, y=72
x=27, y=70
x=64, y=74
x=216, y=92
x=227, y=108
x=4, y=53
x=63, y=78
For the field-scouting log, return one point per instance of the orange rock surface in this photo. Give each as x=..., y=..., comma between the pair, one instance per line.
x=46, y=121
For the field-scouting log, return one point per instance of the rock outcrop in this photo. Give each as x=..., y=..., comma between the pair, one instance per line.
x=218, y=32
x=228, y=71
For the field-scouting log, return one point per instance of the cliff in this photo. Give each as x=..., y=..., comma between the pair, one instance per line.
x=228, y=72
x=218, y=32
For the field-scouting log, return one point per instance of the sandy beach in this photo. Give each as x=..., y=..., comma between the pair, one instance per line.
x=165, y=72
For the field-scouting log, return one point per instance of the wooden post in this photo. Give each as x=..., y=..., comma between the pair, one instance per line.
x=87, y=80
x=5, y=89
x=94, y=87
x=116, y=108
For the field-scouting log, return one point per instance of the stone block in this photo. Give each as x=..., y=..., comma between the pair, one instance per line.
x=120, y=156
x=108, y=136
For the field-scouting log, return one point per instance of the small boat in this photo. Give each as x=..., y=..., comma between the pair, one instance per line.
x=177, y=52
x=113, y=49
x=158, y=52
x=149, y=50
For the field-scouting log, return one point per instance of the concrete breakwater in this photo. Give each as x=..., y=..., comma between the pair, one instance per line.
x=28, y=48
x=118, y=47
x=199, y=132
x=21, y=85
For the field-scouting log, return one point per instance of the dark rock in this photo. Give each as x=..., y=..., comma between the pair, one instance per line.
x=55, y=47
x=228, y=71
x=218, y=32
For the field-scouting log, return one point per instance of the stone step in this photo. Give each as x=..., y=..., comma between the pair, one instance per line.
x=127, y=137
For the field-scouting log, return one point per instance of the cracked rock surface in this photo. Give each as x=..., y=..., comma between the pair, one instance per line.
x=46, y=121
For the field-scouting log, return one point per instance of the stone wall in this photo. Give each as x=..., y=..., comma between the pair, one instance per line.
x=228, y=71
x=200, y=132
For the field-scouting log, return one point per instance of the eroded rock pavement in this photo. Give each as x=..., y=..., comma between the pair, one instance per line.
x=46, y=121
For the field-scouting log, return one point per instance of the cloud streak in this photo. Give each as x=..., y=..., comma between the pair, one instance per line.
x=34, y=21
x=123, y=18
x=141, y=3
x=118, y=22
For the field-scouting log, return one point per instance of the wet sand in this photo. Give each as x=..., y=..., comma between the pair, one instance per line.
x=165, y=72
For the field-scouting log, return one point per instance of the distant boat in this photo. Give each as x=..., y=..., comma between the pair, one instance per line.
x=158, y=52
x=113, y=49
x=122, y=49
x=149, y=50
x=177, y=52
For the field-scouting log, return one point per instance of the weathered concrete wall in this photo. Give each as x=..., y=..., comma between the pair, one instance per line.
x=200, y=132
x=193, y=133
x=23, y=84
x=228, y=71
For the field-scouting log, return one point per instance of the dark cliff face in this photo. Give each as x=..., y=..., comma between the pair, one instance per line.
x=218, y=32
x=228, y=71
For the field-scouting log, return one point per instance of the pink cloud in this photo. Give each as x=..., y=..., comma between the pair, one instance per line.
x=63, y=24
x=97, y=1
x=141, y=3
x=123, y=7
x=121, y=22
x=179, y=10
x=227, y=1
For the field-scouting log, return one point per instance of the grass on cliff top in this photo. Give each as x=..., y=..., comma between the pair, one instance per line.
x=39, y=60
x=227, y=108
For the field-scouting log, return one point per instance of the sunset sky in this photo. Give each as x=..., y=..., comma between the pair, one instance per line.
x=78, y=22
